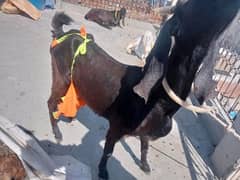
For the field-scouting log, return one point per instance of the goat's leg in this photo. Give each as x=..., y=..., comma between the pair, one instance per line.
x=144, y=149
x=123, y=21
x=58, y=90
x=111, y=138
x=60, y=84
x=52, y=104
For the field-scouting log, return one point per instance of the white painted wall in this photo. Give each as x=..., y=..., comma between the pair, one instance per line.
x=226, y=154
x=227, y=143
x=236, y=124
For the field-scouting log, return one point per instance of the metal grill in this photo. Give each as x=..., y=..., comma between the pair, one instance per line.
x=227, y=76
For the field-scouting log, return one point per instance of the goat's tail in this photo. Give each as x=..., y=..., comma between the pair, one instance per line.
x=60, y=19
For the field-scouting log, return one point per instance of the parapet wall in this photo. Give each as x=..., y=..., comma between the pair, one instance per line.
x=140, y=10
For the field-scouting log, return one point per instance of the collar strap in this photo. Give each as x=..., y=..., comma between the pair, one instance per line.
x=82, y=33
x=56, y=41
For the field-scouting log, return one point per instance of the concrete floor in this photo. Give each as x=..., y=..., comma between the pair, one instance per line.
x=25, y=78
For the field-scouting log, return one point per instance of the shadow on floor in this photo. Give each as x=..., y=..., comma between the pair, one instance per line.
x=90, y=150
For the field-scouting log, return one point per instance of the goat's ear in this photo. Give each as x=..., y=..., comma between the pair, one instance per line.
x=153, y=73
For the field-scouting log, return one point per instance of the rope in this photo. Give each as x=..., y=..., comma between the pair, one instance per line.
x=81, y=50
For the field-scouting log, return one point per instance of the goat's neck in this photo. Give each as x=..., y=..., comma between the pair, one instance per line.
x=182, y=73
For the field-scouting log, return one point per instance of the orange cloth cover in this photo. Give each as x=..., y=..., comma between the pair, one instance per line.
x=54, y=43
x=83, y=31
x=70, y=103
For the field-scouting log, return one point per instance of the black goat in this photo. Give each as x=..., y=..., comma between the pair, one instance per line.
x=106, y=18
x=107, y=86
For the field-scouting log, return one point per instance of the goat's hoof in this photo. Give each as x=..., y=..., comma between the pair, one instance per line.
x=103, y=174
x=58, y=139
x=58, y=135
x=145, y=167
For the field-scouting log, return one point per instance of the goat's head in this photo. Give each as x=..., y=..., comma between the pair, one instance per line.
x=194, y=25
